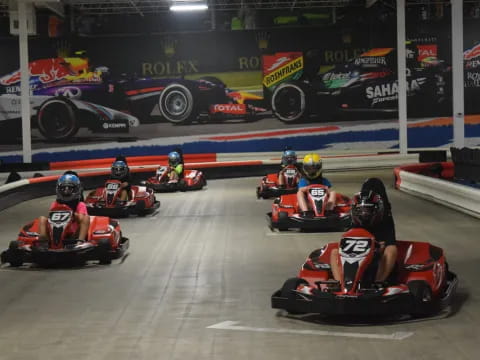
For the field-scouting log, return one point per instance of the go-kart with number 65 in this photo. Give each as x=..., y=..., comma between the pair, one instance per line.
x=420, y=284
x=286, y=213
x=104, y=241
x=106, y=200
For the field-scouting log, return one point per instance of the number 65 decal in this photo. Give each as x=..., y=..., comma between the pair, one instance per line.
x=317, y=192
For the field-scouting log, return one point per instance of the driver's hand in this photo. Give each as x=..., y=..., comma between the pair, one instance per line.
x=330, y=205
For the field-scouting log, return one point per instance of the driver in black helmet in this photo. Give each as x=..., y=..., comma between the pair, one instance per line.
x=121, y=172
x=372, y=211
x=69, y=192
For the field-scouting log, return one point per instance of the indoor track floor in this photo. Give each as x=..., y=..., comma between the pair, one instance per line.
x=198, y=280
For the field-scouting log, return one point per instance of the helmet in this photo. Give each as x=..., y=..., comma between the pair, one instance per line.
x=289, y=157
x=119, y=169
x=174, y=158
x=312, y=166
x=68, y=188
x=367, y=209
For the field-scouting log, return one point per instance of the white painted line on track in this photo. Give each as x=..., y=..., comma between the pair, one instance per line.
x=232, y=325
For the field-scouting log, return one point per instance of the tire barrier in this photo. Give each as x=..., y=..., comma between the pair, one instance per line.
x=467, y=164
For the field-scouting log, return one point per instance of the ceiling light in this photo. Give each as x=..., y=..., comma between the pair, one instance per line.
x=188, y=7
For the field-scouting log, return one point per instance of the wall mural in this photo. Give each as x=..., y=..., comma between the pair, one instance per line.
x=237, y=91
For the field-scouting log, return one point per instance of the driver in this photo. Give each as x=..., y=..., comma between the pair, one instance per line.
x=372, y=211
x=121, y=172
x=289, y=157
x=69, y=193
x=312, y=174
x=175, y=164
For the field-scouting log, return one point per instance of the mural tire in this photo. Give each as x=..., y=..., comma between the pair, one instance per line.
x=289, y=102
x=57, y=120
x=177, y=104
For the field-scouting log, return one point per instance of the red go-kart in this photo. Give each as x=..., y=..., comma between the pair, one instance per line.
x=106, y=201
x=104, y=241
x=421, y=283
x=191, y=180
x=286, y=213
x=269, y=184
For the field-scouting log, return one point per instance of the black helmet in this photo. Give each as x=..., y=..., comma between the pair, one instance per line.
x=68, y=188
x=289, y=157
x=367, y=209
x=119, y=169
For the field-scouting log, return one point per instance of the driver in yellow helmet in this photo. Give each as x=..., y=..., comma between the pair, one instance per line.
x=312, y=174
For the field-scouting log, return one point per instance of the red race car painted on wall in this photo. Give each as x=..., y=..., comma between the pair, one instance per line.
x=287, y=215
x=179, y=100
x=104, y=242
x=420, y=285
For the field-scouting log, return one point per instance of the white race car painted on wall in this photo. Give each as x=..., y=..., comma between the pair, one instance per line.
x=366, y=84
x=59, y=118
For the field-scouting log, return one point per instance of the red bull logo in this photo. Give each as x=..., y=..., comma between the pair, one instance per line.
x=472, y=53
x=45, y=70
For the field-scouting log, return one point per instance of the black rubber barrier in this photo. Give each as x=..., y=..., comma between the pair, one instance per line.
x=467, y=164
x=35, y=190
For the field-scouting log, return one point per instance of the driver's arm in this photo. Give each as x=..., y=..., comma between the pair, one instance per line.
x=84, y=223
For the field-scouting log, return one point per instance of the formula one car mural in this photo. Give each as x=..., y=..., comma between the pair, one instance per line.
x=367, y=83
x=179, y=100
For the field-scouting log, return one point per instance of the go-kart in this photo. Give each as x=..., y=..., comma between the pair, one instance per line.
x=191, y=180
x=269, y=184
x=104, y=241
x=421, y=283
x=106, y=201
x=286, y=213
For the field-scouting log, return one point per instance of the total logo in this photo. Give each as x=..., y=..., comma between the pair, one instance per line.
x=228, y=108
x=114, y=126
x=71, y=92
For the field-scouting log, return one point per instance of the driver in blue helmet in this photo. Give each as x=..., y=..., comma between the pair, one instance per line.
x=69, y=192
x=289, y=158
x=176, y=168
x=121, y=172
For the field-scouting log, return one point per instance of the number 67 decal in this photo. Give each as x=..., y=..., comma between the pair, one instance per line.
x=59, y=216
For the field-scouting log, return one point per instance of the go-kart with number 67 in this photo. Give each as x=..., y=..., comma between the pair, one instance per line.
x=104, y=241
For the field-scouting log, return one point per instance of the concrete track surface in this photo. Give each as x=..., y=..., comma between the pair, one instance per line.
x=208, y=257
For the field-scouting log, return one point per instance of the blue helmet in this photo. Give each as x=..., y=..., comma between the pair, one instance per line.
x=174, y=158
x=119, y=169
x=68, y=188
x=289, y=157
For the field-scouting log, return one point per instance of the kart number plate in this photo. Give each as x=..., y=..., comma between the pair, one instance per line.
x=355, y=247
x=112, y=186
x=291, y=173
x=59, y=217
x=317, y=192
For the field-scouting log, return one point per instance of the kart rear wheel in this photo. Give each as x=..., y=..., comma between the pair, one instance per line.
x=177, y=104
x=288, y=289
x=15, y=258
x=56, y=120
x=104, y=247
x=289, y=102
x=421, y=296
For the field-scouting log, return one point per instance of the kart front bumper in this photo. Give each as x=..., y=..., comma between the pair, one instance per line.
x=172, y=187
x=119, y=211
x=330, y=222
x=330, y=304
x=274, y=191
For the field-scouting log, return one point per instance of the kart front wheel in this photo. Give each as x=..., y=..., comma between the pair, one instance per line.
x=421, y=294
x=288, y=291
x=104, y=247
x=282, y=219
x=56, y=120
x=289, y=102
x=177, y=104
x=15, y=258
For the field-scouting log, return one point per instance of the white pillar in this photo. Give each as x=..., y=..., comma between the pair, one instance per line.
x=458, y=81
x=24, y=82
x=402, y=77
